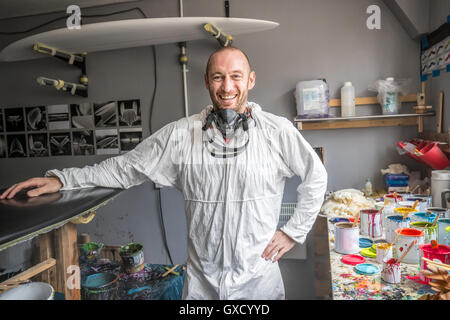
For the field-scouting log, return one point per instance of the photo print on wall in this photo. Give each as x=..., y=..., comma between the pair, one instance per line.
x=129, y=138
x=82, y=116
x=58, y=117
x=36, y=118
x=60, y=144
x=16, y=146
x=38, y=145
x=105, y=114
x=14, y=119
x=3, y=147
x=83, y=143
x=107, y=141
x=129, y=113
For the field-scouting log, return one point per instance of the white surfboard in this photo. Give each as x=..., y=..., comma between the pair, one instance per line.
x=129, y=33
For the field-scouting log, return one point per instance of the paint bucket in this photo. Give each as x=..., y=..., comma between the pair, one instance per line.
x=90, y=251
x=392, y=272
x=384, y=252
x=346, y=238
x=29, y=291
x=447, y=236
x=404, y=210
x=371, y=224
x=391, y=200
x=393, y=223
x=442, y=212
x=440, y=254
x=405, y=238
x=422, y=205
x=442, y=224
x=387, y=211
x=133, y=257
x=100, y=286
x=423, y=217
x=427, y=199
x=429, y=231
x=434, y=157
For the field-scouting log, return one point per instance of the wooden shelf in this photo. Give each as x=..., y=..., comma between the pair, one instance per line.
x=363, y=101
x=409, y=119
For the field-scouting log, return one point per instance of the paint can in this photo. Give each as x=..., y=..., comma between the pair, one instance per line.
x=422, y=205
x=440, y=254
x=132, y=256
x=423, y=216
x=405, y=238
x=100, y=286
x=427, y=228
x=29, y=291
x=403, y=210
x=387, y=211
x=384, y=252
x=442, y=212
x=371, y=224
x=427, y=199
x=346, y=238
x=442, y=224
x=447, y=236
x=90, y=251
x=391, y=200
x=391, y=272
x=393, y=223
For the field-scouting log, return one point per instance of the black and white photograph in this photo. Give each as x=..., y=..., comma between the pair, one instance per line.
x=58, y=117
x=107, y=141
x=3, y=147
x=36, y=118
x=38, y=145
x=2, y=127
x=82, y=116
x=14, y=119
x=83, y=143
x=129, y=138
x=129, y=113
x=60, y=144
x=105, y=114
x=16, y=146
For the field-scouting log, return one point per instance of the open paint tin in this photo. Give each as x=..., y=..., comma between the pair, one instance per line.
x=440, y=254
x=384, y=252
x=133, y=257
x=371, y=223
x=392, y=272
x=427, y=228
x=29, y=291
x=346, y=238
x=393, y=223
x=423, y=216
x=405, y=238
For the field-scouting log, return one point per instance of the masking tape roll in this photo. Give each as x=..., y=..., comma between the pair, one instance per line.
x=84, y=218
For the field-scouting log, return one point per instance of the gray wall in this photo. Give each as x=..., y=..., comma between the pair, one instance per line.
x=325, y=38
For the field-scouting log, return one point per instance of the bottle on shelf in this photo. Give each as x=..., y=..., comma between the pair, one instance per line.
x=368, y=188
x=348, y=100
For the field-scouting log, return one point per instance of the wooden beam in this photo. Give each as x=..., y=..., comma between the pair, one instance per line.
x=29, y=273
x=45, y=252
x=384, y=122
x=66, y=254
x=412, y=97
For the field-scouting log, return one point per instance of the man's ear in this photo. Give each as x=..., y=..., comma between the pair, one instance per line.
x=206, y=81
x=251, y=80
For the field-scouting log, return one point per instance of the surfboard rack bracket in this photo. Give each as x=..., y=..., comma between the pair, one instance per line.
x=75, y=59
x=224, y=39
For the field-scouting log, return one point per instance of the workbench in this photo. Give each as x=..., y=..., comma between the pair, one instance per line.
x=347, y=284
x=53, y=219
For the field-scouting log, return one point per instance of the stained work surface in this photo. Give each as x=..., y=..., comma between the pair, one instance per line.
x=347, y=284
x=23, y=216
x=146, y=284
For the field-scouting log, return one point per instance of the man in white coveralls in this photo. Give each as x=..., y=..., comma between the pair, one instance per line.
x=230, y=161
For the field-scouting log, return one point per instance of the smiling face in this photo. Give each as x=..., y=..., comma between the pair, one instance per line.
x=228, y=79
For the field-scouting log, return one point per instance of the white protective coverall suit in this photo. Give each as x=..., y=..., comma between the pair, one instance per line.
x=232, y=204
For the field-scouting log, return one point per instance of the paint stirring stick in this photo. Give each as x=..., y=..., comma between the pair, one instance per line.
x=355, y=222
x=415, y=205
x=170, y=270
x=395, y=196
x=435, y=220
x=396, y=237
x=407, y=250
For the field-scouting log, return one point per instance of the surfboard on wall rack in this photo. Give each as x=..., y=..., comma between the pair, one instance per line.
x=131, y=33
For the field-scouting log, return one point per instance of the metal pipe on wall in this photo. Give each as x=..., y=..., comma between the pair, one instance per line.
x=183, y=61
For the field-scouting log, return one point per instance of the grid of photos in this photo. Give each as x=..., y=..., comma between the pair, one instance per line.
x=85, y=129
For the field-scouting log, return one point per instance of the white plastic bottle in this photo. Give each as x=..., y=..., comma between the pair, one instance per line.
x=347, y=100
x=368, y=188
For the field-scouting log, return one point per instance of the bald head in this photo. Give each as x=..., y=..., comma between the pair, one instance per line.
x=223, y=49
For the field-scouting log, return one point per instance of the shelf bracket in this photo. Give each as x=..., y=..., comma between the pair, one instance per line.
x=76, y=59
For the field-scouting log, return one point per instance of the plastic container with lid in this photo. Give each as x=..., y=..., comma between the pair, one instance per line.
x=347, y=100
x=312, y=99
x=390, y=102
x=440, y=181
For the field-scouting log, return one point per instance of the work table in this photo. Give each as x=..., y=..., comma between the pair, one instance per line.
x=347, y=284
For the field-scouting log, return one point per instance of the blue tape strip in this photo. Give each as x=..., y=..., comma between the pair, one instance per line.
x=436, y=73
x=448, y=18
x=424, y=78
x=448, y=68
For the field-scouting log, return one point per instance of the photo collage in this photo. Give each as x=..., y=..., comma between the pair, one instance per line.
x=106, y=128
